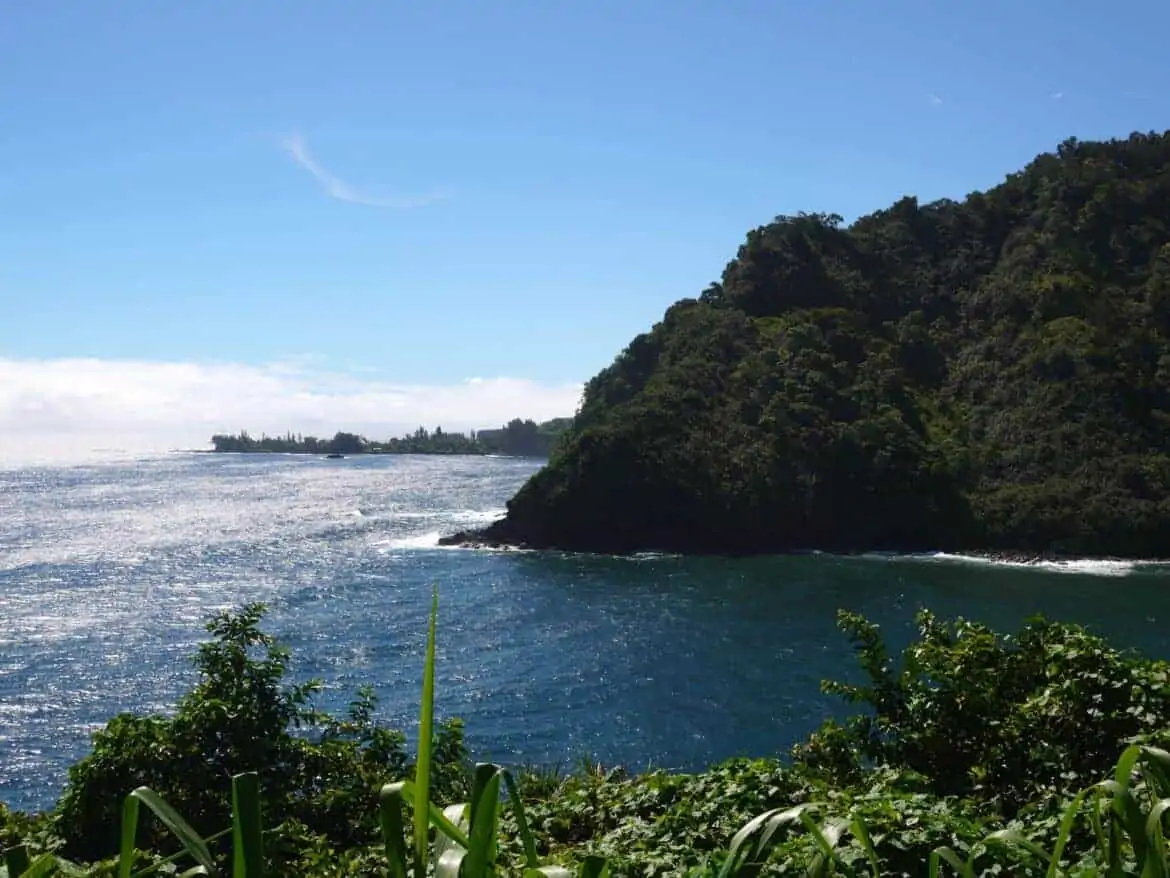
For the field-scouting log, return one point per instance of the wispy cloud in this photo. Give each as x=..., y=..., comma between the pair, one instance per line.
x=69, y=408
x=337, y=188
x=1057, y=95
x=934, y=99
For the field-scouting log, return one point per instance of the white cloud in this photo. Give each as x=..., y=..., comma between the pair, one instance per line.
x=1057, y=95
x=296, y=147
x=71, y=408
x=934, y=99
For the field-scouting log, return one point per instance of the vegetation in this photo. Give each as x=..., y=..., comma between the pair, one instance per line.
x=520, y=438
x=988, y=375
x=1036, y=754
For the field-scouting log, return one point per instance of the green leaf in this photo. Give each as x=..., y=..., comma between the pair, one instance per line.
x=861, y=831
x=966, y=870
x=188, y=837
x=247, y=827
x=43, y=865
x=390, y=805
x=1014, y=836
x=1155, y=865
x=422, y=778
x=481, y=853
x=128, y=835
x=1066, y=826
x=594, y=867
x=742, y=849
x=531, y=861
x=484, y=772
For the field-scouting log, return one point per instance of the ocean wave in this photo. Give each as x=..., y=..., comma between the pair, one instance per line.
x=428, y=540
x=1082, y=566
x=463, y=516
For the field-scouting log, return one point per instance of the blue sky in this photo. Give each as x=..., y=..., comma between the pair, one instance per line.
x=415, y=194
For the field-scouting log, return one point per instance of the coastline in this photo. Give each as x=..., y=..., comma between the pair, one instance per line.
x=364, y=453
x=484, y=538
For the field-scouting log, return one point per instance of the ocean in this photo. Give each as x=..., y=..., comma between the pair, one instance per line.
x=109, y=570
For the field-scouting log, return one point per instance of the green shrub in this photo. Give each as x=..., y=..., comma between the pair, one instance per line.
x=971, y=754
x=1003, y=719
x=320, y=771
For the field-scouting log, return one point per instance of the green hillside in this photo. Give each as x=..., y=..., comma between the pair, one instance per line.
x=990, y=374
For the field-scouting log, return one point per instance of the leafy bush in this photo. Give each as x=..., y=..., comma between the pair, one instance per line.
x=1004, y=719
x=972, y=754
x=319, y=771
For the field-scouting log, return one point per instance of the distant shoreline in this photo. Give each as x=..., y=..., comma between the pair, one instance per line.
x=363, y=453
x=517, y=438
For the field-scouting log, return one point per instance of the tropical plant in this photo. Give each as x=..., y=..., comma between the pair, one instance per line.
x=467, y=835
x=319, y=771
x=1004, y=719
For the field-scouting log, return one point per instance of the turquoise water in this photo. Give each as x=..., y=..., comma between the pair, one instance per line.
x=107, y=572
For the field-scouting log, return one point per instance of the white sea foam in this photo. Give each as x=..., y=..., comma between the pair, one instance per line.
x=428, y=540
x=1083, y=566
x=475, y=516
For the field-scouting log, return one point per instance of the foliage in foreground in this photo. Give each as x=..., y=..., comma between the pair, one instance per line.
x=975, y=753
x=320, y=773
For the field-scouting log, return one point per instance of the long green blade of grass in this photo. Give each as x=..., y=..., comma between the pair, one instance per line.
x=743, y=848
x=247, y=828
x=945, y=854
x=422, y=778
x=826, y=837
x=1065, y=833
x=1128, y=812
x=188, y=837
x=481, y=853
x=128, y=835
x=1008, y=837
x=42, y=866
x=526, y=839
x=438, y=818
x=484, y=772
x=390, y=804
x=391, y=800
x=178, y=855
x=1156, y=866
x=594, y=867
x=860, y=830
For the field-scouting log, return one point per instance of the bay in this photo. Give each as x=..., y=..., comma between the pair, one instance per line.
x=109, y=570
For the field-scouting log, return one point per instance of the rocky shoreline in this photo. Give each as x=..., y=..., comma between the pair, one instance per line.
x=490, y=537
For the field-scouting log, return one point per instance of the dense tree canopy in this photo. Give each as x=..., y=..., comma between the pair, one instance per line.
x=991, y=374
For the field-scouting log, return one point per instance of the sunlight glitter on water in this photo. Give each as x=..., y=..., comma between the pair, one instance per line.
x=109, y=571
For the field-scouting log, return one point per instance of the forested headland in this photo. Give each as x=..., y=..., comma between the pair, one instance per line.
x=520, y=438
x=990, y=374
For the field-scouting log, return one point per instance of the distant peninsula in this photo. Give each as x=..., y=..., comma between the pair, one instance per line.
x=517, y=438
x=986, y=375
